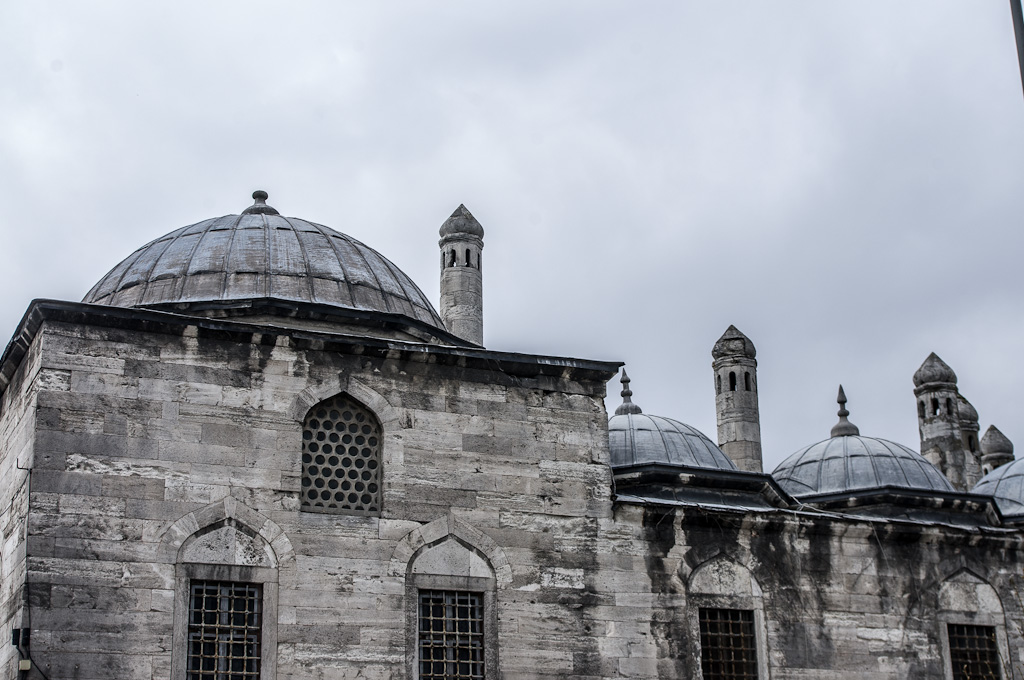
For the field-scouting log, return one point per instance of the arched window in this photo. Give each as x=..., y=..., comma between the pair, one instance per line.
x=451, y=263
x=949, y=407
x=935, y=407
x=469, y=259
x=732, y=381
x=341, y=458
x=746, y=380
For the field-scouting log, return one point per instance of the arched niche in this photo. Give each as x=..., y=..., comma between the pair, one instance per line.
x=228, y=542
x=970, y=617
x=450, y=557
x=723, y=591
x=451, y=569
x=234, y=552
x=722, y=577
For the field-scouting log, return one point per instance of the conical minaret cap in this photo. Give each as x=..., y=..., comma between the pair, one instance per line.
x=627, y=405
x=934, y=370
x=732, y=344
x=968, y=414
x=844, y=427
x=461, y=222
x=995, y=441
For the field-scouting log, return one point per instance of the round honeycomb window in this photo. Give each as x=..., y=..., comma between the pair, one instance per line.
x=341, y=460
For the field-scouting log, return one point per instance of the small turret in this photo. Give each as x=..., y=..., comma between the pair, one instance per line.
x=462, y=288
x=996, y=450
x=739, y=422
x=938, y=418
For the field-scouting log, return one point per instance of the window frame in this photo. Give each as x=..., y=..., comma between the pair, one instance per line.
x=378, y=459
x=266, y=577
x=753, y=631
x=697, y=601
x=483, y=586
x=972, y=619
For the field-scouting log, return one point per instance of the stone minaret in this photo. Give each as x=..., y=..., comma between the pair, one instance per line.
x=938, y=418
x=996, y=450
x=462, y=298
x=739, y=423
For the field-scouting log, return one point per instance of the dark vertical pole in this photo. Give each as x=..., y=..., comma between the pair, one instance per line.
x=1018, y=31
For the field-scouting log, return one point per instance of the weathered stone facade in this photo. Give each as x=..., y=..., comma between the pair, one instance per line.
x=143, y=450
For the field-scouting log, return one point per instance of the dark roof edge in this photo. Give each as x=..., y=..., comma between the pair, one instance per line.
x=760, y=483
x=897, y=495
x=157, y=321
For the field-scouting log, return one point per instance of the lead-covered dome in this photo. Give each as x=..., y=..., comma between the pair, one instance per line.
x=262, y=254
x=1006, y=485
x=636, y=438
x=848, y=462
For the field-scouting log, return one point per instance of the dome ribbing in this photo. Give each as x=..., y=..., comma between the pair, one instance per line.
x=262, y=254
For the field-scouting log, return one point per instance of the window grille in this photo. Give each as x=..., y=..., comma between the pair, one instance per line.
x=973, y=652
x=341, y=458
x=224, y=624
x=728, y=648
x=451, y=635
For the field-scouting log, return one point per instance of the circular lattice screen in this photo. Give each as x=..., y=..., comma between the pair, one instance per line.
x=341, y=442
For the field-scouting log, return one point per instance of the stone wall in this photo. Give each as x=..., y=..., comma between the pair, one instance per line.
x=840, y=598
x=17, y=421
x=147, y=436
x=163, y=453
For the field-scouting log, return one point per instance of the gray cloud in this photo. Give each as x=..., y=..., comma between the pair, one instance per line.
x=841, y=181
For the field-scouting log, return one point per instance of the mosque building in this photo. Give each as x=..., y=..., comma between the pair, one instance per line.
x=256, y=451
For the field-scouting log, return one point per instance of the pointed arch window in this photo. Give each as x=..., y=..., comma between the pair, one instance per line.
x=341, y=458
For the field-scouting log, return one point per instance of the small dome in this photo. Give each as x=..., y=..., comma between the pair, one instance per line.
x=849, y=462
x=461, y=222
x=968, y=414
x=995, y=442
x=854, y=463
x=733, y=343
x=639, y=439
x=934, y=370
x=261, y=254
x=1006, y=485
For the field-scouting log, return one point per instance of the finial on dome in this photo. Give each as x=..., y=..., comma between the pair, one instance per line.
x=844, y=427
x=627, y=406
x=260, y=207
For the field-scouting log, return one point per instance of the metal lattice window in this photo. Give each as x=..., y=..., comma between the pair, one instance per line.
x=728, y=646
x=973, y=652
x=341, y=458
x=224, y=623
x=451, y=635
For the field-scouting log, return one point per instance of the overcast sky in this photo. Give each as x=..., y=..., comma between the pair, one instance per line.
x=840, y=180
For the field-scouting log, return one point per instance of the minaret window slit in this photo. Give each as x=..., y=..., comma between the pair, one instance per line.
x=732, y=381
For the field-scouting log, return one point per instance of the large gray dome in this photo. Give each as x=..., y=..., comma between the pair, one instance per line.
x=261, y=254
x=1006, y=485
x=854, y=463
